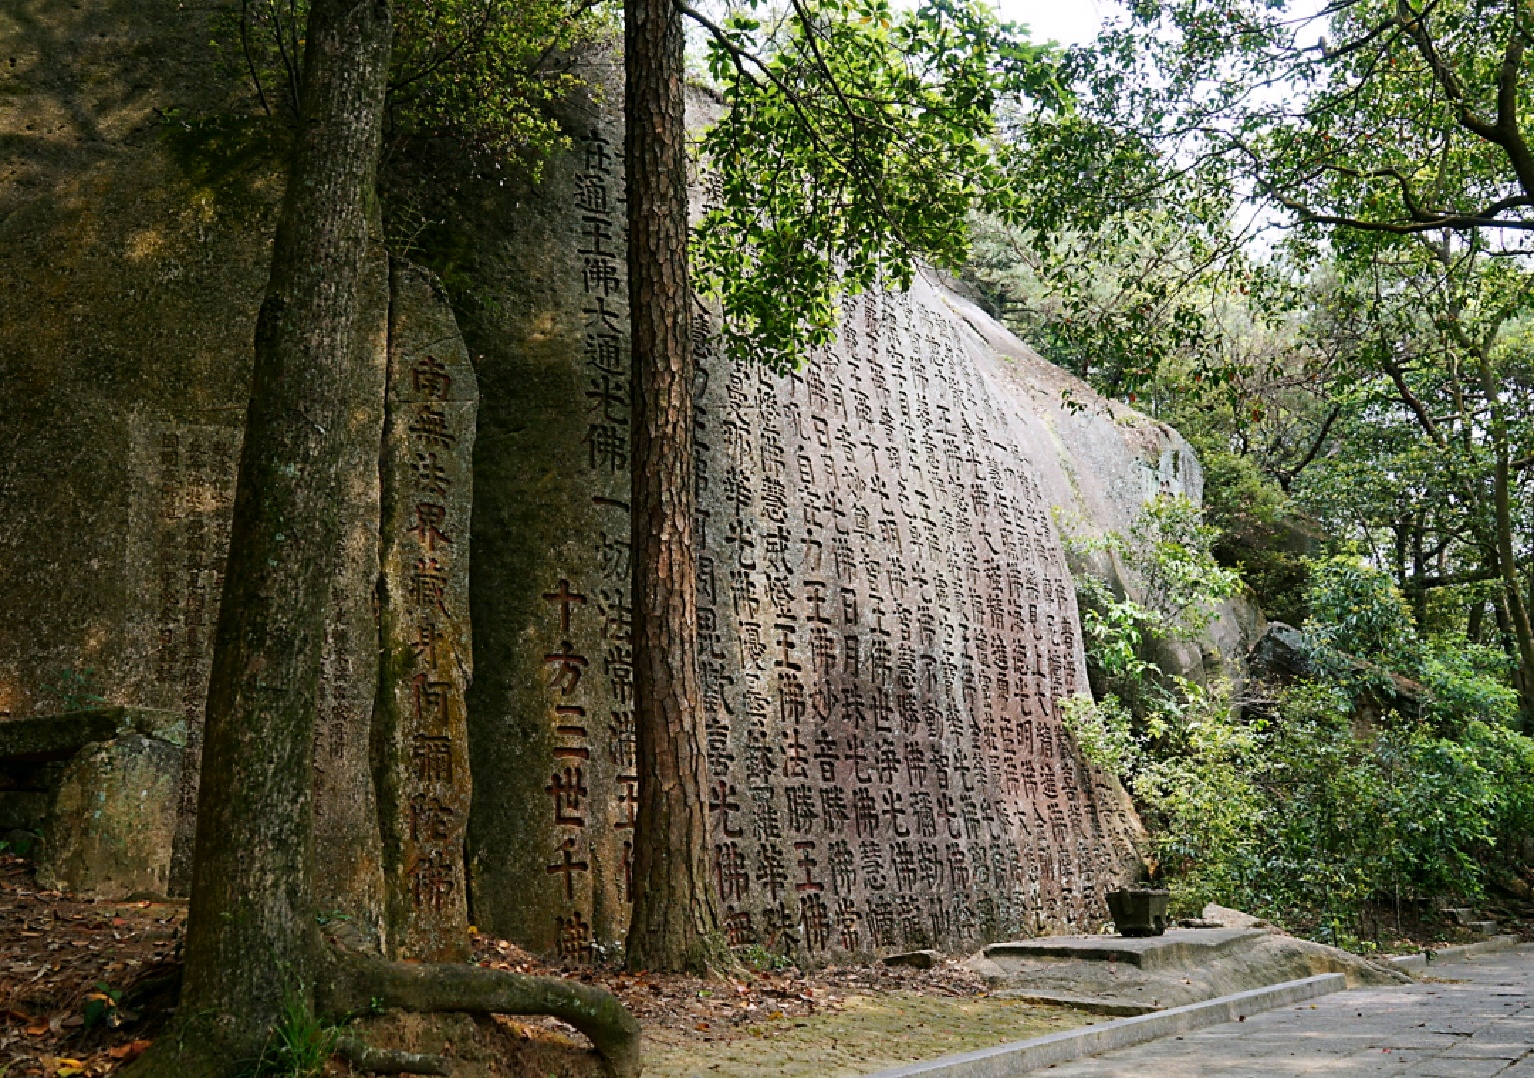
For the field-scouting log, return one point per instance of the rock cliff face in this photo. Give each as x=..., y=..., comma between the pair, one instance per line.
x=886, y=616
x=887, y=619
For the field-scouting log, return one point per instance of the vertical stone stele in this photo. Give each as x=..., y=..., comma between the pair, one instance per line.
x=424, y=636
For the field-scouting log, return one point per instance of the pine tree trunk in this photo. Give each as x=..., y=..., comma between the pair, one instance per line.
x=252, y=942
x=675, y=921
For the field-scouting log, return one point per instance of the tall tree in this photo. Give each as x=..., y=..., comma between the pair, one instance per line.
x=853, y=142
x=1384, y=133
x=675, y=919
x=251, y=928
x=255, y=959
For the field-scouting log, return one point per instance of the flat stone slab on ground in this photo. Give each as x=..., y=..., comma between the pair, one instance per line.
x=1480, y=1024
x=1178, y=947
x=1118, y=975
x=58, y=737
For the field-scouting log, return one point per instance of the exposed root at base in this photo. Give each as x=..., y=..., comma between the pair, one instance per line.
x=358, y=983
x=389, y=1060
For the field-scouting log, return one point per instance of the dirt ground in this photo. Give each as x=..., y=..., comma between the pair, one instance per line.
x=84, y=986
x=841, y=1020
x=829, y=1023
x=64, y=965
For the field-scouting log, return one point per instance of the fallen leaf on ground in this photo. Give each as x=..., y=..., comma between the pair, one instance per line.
x=129, y=1051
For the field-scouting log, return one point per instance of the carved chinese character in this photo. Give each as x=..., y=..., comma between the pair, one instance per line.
x=895, y=810
x=771, y=869
x=568, y=667
x=841, y=864
x=738, y=928
x=430, y=426
x=801, y=809
x=929, y=864
x=432, y=700
x=433, y=756
x=568, y=789
x=881, y=919
x=574, y=936
x=565, y=598
x=428, y=585
x=856, y=756
x=815, y=920
x=430, y=476
x=766, y=820
x=865, y=812
x=433, y=880
x=730, y=871
x=429, y=378
x=826, y=755
x=431, y=819
x=609, y=447
x=847, y=918
x=626, y=801
x=958, y=867
x=428, y=637
x=568, y=866
x=871, y=864
x=722, y=802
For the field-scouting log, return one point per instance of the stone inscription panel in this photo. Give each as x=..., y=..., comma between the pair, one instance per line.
x=584, y=642
x=184, y=473
x=888, y=629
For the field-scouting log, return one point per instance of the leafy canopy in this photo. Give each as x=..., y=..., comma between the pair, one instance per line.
x=479, y=72
x=856, y=140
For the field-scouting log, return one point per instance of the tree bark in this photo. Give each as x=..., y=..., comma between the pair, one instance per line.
x=675, y=919
x=252, y=942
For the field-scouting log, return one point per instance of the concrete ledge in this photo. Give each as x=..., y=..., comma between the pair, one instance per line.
x=1178, y=946
x=1418, y=963
x=1111, y=1008
x=1019, y=1057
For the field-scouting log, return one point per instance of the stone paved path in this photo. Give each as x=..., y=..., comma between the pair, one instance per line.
x=1481, y=1027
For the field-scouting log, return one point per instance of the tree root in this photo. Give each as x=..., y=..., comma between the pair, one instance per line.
x=388, y=1060
x=359, y=983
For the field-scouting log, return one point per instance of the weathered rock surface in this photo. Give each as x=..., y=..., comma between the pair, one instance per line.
x=1282, y=654
x=59, y=737
x=135, y=223
x=110, y=825
x=886, y=616
x=1099, y=463
x=421, y=719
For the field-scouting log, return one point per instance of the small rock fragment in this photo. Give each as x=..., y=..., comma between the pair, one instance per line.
x=914, y=959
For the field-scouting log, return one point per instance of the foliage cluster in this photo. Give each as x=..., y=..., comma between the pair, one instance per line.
x=481, y=73
x=1166, y=554
x=1300, y=804
x=858, y=139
